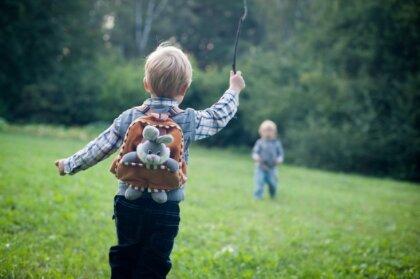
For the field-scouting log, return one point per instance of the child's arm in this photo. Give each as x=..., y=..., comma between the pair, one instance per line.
x=213, y=119
x=280, y=153
x=94, y=152
x=255, y=152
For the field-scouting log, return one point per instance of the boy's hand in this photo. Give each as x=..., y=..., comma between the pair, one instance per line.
x=236, y=82
x=60, y=165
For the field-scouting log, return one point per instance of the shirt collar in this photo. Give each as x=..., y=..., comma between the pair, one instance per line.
x=161, y=102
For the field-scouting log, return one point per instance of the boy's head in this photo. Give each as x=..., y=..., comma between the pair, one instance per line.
x=268, y=129
x=167, y=72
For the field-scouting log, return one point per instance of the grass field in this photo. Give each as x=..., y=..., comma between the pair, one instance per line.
x=322, y=225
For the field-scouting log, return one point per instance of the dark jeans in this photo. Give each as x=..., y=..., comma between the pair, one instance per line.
x=146, y=231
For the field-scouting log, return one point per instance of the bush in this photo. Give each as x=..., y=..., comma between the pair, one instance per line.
x=3, y=124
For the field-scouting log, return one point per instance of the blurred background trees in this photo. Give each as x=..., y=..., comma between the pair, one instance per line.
x=340, y=78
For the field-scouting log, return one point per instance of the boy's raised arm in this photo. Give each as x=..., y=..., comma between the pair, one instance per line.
x=213, y=119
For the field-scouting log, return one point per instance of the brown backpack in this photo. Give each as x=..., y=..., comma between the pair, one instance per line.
x=138, y=174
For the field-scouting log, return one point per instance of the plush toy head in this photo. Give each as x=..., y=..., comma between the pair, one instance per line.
x=154, y=150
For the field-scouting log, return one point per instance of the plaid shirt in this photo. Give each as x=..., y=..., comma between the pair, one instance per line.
x=208, y=122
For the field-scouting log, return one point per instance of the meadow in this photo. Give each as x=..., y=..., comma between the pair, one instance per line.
x=321, y=225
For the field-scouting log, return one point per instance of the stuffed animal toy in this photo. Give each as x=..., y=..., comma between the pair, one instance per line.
x=151, y=154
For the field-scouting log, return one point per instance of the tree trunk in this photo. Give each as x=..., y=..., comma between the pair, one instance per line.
x=144, y=20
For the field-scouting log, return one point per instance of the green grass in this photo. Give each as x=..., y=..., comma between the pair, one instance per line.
x=322, y=225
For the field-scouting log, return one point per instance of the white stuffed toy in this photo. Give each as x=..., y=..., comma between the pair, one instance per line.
x=153, y=154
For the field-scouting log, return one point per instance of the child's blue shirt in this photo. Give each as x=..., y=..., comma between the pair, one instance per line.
x=269, y=151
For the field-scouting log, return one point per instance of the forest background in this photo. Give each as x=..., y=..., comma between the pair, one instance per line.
x=340, y=78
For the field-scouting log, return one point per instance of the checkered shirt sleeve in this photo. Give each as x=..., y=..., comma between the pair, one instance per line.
x=95, y=151
x=215, y=118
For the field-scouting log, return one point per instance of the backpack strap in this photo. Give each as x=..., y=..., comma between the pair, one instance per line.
x=144, y=109
x=174, y=111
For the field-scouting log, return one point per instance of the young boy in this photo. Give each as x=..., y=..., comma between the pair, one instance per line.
x=267, y=153
x=146, y=229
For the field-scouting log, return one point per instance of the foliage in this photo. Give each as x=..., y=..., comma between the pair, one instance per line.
x=3, y=125
x=47, y=52
x=322, y=225
x=121, y=87
x=204, y=27
x=84, y=133
x=346, y=88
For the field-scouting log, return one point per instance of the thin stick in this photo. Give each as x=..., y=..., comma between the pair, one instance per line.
x=241, y=19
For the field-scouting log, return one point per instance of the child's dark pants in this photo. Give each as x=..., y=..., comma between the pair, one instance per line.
x=146, y=231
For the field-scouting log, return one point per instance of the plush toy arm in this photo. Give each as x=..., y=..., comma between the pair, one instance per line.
x=130, y=157
x=172, y=165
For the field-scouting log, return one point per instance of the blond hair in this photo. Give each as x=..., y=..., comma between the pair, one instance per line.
x=167, y=70
x=267, y=124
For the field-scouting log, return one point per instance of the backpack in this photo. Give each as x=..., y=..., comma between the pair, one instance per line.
x=141, y=176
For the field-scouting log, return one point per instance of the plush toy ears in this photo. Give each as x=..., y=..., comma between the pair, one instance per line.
x=150, y=133
x=165, y=139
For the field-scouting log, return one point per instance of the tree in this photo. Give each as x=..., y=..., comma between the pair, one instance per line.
x=350, y=102
x=44, y=39
x=144, y=19
x=204, y=28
